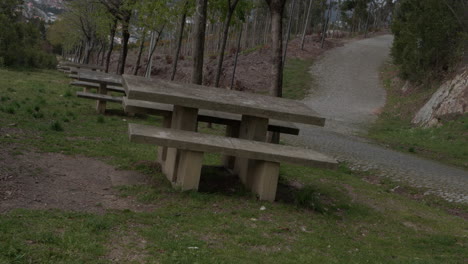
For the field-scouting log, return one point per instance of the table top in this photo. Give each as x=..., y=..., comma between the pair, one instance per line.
x=100, y=77
x=80, y=65
x=209, y=98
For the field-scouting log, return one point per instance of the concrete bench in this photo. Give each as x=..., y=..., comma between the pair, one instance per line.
x=266, y=156
x=92, y=67
x=100, y=97
x=91, y=85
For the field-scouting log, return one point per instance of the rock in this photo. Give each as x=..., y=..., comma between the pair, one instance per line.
x=405, y=87
x=448, y=102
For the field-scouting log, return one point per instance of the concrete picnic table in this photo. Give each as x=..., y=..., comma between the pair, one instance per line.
x=103, y=79
x=187, y=99
x=82, y=66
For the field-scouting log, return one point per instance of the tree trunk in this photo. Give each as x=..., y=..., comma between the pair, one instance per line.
x=306, y=24
x=237, y=55
x=219, y=67
x=179, y=42
x=140, y=51
x=325, y=26
x=293, y=5
x=277, y=52
x=199, y=45
x=111, y=45
x=149, y=64
x=126, y=37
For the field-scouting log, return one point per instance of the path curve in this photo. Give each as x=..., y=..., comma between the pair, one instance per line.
x=349, y=95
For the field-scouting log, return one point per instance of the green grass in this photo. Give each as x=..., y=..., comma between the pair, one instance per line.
x=337, y=217
x=297, y=79
x=447, y=143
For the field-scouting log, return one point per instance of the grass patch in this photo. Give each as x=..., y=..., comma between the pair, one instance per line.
x=297, y=79
x=447, y=143
x=321, y=216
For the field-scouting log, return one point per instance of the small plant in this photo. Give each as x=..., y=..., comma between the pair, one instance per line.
x=65, y=120
x=411, y=149
x=4, y=98
x=11, y=90
x=68, y=93
x=37, y=115
x=168, y=59
x=56, y=126
x=310, y=198
x=101, y=120
x=10, y=110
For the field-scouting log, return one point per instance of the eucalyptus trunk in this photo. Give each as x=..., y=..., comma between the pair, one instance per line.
x=140, y=51
x=199, y=45
x=222, y=48
x=306, y=23
x=179, y=42
x=111, y=45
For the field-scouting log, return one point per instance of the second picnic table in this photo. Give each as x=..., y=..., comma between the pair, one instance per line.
x=187, y=99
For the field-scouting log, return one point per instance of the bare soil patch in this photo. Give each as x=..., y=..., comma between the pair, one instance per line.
x=34, y=180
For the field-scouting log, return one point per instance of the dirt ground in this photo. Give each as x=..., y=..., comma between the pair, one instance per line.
x=33, y=180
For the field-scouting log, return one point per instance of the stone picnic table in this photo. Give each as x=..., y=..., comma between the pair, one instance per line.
x=188, y=99
x=107, y=82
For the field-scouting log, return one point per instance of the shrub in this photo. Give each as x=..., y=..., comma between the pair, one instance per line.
x=56, y=126
x=428, y=38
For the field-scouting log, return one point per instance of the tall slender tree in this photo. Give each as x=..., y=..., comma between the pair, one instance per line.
x=230, y=7
x=199, y=38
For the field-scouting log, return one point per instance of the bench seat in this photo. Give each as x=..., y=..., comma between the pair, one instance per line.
x=100, y=97
x=112, y=88
x=268, y=156
x=81, y=66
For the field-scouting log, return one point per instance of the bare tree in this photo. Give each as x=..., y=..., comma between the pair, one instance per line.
x=276, y=13
x=306, y=23
x=231, y=7
x=179, y=40
x=199, y=37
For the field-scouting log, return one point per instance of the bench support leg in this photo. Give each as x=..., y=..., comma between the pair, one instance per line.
x=162, y=151
x=265, y=180
x=231, y=131
x=101, y=105
x=189, y=170
x=183, y=118
x=252, y=128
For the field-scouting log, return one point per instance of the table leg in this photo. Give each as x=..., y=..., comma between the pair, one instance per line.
x=265, y=181
x=101, y=105
x=189, y=169
x=231, y=131
x=162, y=151
x=183, y=118
x=252, y=128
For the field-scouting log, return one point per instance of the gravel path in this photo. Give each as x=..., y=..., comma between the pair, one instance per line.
x=350, y=95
